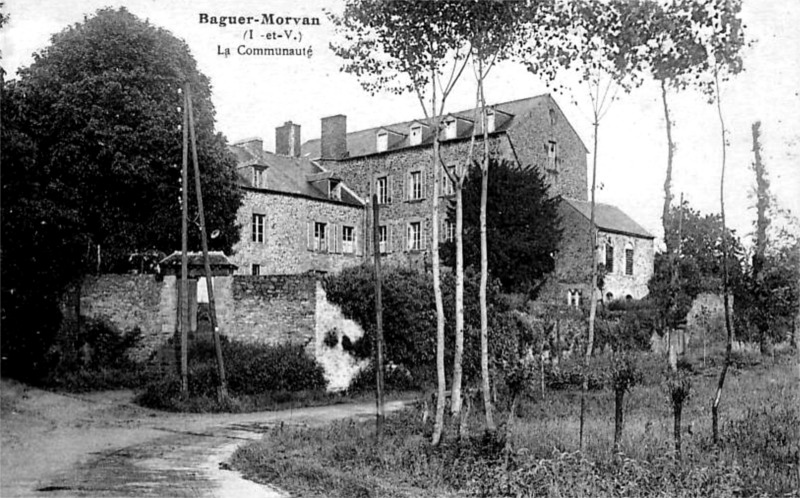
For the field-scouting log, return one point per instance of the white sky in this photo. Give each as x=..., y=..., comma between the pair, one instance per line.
x=253, y=95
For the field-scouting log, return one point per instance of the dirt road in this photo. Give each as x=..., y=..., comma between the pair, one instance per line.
x=101, y=444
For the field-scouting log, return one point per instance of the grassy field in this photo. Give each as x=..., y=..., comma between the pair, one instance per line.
x=759, y=454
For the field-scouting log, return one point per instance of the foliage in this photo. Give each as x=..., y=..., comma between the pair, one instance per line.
x=95, y=356
x=626, y=325
x=394, y=379
x=700, y=264
x=345, y=458
x=522, y=223
x=253, y=371
x=91, y=148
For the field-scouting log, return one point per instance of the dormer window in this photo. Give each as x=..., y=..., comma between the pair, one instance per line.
x=450, y=129
x=490, y=121
x=259, y=177
x=334, y=190
x=552, y=114
x=415, y=138
x=383, y=141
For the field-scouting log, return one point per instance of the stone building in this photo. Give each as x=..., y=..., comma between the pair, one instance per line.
x=625, y=251
x=394, y=162
x=295, y=217
x=314, y=199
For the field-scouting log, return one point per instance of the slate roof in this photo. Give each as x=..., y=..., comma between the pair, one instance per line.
x=285, y=174
x=217, y=259
x=609, y=218
x=363, y=142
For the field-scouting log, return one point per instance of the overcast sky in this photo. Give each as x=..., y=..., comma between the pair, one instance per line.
x=255, y=94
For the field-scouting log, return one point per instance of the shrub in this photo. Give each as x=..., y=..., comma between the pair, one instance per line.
x=252, y=370
x=394, y=379
x=626, y=325
x=569, y=375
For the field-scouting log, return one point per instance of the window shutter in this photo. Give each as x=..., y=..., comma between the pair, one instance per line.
x=390, y=190
x=332, y=238
x=406, y=236
x=423, y=236
x=356, y=230
x=406, y=193
x=310, y=235
x=423, y=179
x=389, y=230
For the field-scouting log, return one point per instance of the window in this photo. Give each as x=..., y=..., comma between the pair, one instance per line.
x=609, y=258
x=450, y=129
x=256, y=269
x=414, y=236
x=382, y=189
x=334, y=190
x=383, y=239
x=552, y=154
x=415, y=185
x=490, y=121
x=259, y=177
x=629, y=259
x=320, y=239
x=383, y=141
x=258, y=228
x=448, y=186
x=416, y=135
x=348, y=240
x=552, y=114
x=449, y=231
x=574, y=297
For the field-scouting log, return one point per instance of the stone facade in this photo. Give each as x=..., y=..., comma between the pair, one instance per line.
x=287, y=245
x=574, y=263
x=394, y=168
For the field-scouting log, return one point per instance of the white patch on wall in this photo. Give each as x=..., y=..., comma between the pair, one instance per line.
x=340, y=367
x=202, y=289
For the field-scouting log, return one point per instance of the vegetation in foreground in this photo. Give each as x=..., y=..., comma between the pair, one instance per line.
x=536, y=454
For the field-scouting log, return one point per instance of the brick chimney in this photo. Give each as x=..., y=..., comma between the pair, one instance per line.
x=333, y=144
x=287, y=139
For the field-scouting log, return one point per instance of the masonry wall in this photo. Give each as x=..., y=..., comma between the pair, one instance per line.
x=360, y=174
x=272, y=309
x=128, y=302
x=531, y=136
x=285, y=248
x=574, y=264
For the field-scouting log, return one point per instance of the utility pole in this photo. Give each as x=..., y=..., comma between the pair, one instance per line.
x=222, y=392
x=183, y=289
x=376, y=237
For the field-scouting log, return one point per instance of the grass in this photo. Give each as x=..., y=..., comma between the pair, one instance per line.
x=759, y=454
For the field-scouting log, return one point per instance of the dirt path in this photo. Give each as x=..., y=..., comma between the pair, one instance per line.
x=101, y=444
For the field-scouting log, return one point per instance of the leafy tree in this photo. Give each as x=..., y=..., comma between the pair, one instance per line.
x=407, y=47
x=522, y=222
x=91, y=172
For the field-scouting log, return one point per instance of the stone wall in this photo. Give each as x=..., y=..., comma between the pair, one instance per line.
x=272, y=309
x=285, y=249
x=531, y=135
x=128, y=302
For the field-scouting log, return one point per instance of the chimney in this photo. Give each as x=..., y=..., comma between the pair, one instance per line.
x=253, y=145
x=287, y=139
x=333, y=144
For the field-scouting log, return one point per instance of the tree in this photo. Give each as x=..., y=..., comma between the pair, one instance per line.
x=406, y=47
x=522, y=224
x=97, y=116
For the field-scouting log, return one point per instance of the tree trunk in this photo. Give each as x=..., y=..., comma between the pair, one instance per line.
x=668, y=241
x=677, y=411
x=378, y=319
x=593, y=289
x=183, y=289
x=487, y=401
x=437, y=286
x=725, y=282
x=455, y=397
x=762, y=224
x=619, y=400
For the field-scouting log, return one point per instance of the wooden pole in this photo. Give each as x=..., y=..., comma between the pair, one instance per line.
x=376, y=244
x=183, y=290
x=222, y=392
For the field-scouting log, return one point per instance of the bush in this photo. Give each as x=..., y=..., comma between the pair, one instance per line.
x=94, y=357
x=626, y=325
x=569, y=375
x=252, y=370
x=331, y=338
x=394, y=379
